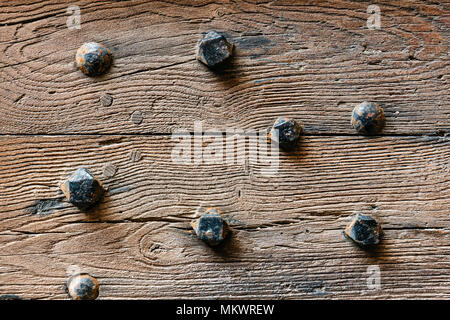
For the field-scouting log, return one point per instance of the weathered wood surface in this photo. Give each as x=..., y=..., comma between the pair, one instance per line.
x=287, y=240
x=311, y=60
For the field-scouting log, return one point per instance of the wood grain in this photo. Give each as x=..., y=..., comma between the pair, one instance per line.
x=287, y=239
x=313, y=60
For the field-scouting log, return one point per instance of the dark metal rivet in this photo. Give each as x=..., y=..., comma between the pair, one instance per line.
x=286, y=132
x=82, y=286
x=211, y=227
x=213, y=49
x=93, y=59
x=82, y=189
x=368, y=118
x=364, y=230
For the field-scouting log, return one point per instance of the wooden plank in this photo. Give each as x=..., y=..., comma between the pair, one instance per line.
x=287, y=240
x=311, y=60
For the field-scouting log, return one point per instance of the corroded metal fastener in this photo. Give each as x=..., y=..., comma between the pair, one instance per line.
x=368, y=118
x=93, y=59
x=286, y=132
x=213, y=49
x=82, y=286
x=364, y=230
x=211, y=227
x=82, y=189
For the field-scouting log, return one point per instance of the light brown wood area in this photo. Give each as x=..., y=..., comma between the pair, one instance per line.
x=312, y=60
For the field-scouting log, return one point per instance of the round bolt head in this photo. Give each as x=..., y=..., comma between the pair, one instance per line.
x=93, y=59
x=368, y=118
x=364, y=230
x=286, y=132
x=82, y=189
x=211, y=227
x=213, y=49
x=82, y=287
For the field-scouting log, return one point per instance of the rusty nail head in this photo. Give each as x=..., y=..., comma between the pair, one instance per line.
x=82, y=189
x=285, y=132
x=211, y=227
x=368, y=118
x=214, y=49
x=82, y=286
x=93, y=59
x=364, y=230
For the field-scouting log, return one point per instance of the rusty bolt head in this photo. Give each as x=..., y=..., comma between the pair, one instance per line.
x=364, y=230
x=82, y=286
x=368, y=118
x=93, y=59
x=211, y=227
x=82, y=189
x=286, y=132
x=213, y=49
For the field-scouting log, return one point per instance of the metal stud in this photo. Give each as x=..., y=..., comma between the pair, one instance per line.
x=211, y=227
x=286, y=132
x=364, y=230
x=368, y=118
x=82, y=286
x=214, y=49
x=82, y=189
